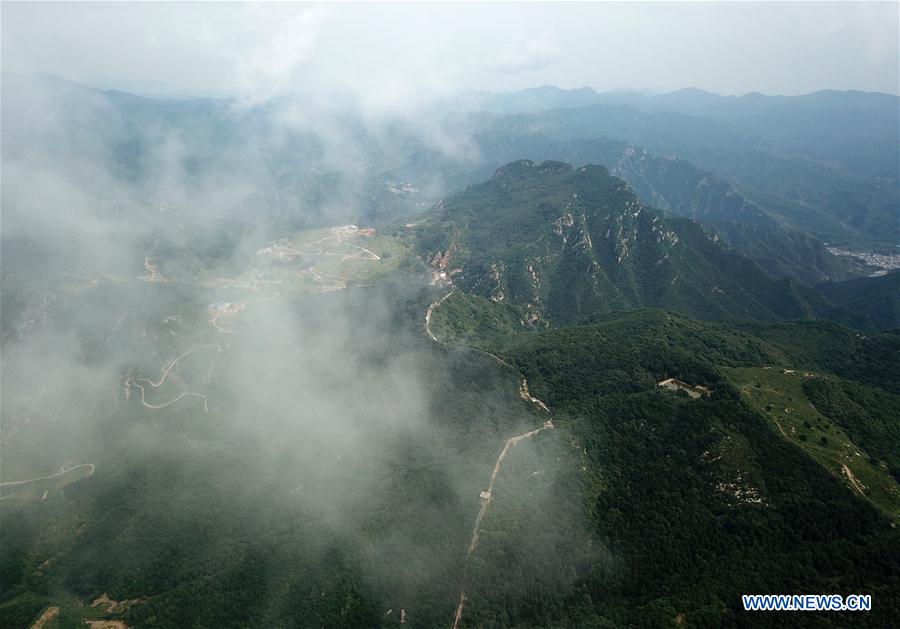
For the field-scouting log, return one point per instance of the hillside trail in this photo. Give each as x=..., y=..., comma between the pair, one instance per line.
x=174, y=362
x=62, y=472
x=337, y=235
x=487, y=495
x=169, y=403
x=215, y=323
x=165, y=374
x=853, y=480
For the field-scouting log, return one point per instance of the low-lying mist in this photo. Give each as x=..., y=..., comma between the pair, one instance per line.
x=284, y=447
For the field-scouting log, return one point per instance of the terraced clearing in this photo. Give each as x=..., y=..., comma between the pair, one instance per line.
x=346, y=255
x=317, y=260
x=72, y=612
x=777, y=394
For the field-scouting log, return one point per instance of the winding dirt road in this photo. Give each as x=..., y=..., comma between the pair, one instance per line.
x=168, y=368
x=488, y=494
x=215, y=323
x=62, y=472
x=428, y=314
x=165, y=374
x=159, y=406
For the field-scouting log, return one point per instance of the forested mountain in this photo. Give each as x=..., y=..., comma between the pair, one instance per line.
x=678, y=187
x=829, y=203
x=665, y=508
x=688, y=461
x=876, y=297
x=515, y=392
x=667, y=475
x=565, y=243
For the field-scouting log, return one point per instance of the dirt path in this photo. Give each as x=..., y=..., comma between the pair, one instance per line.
x=159, y=406
x=369, y=254
x=488, y=494
x=153, y=274
x=109, y=605
x=62, y=472
x=49, y=614
x=853, y=480
x=174, y=362
x=165, y=374
x=486, y=497
x=428, y=314
x=337, y=282
x=525, y=394
x=215, y=322
x=459, y=610
x=337, y=236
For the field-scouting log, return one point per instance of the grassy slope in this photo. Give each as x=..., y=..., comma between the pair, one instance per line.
x=780, y=396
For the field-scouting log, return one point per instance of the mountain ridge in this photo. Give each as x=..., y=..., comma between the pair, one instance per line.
x=565, y=243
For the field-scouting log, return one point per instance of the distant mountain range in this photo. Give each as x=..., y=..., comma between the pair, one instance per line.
x=688, y=153
x=856, y=130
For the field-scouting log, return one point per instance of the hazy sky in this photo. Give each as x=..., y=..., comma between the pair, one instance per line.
x=402, y=51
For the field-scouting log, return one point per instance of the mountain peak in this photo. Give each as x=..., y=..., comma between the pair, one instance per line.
x=563, y=243
x=528, y=168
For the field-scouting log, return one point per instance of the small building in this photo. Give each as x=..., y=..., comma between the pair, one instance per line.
x=673, y=384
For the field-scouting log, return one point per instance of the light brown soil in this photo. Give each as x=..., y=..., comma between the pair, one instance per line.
x=853, y=480
x=49, y=614
x=112, y=605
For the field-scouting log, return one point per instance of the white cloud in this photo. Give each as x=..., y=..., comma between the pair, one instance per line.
x=389, y=53
x=286, y=43
x=526, y=54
